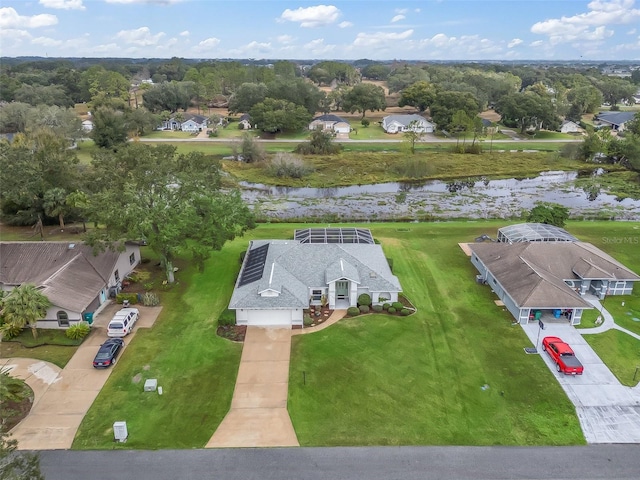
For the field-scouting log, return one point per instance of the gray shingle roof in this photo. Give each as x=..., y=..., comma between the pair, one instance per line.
x=70, y=277
x=615, y=118
x=329, y=118
x=533, y=273
x=404, y=119
x=293, y=268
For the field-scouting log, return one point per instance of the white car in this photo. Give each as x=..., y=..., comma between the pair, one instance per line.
x=122, y=322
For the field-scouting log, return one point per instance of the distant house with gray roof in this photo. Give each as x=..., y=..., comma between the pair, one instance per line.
x=615, y=120
x=548, y=277
x=330, y=123
x=73, y=279
x=406, y=123
x=279, y=279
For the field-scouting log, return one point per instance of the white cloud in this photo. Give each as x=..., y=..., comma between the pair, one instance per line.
x=318, y=47
x=514, y=42
x=397, y=18
x=632, y=31
x=537, y=43
x=252, y=49
x=591, y=25
x=47, y=42
x=285, y=39
x=345, y=24
x=465, y=46
x=9, y=18
x=380, y=38
x=105, y=48
x=63, y=4
x=159, y=2
x=141, y=36
x=14, y=35
x=186, y=33
x=401, y=11
x=317, y=16
x=207, y=44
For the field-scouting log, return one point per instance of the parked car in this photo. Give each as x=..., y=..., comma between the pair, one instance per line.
x=563, y=356
x=122, y=322
x=108, y=353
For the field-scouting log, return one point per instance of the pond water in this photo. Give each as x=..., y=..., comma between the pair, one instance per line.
x=472, y=198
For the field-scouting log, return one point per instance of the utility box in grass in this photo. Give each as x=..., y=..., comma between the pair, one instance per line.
x=120, y=431
x=151, y=385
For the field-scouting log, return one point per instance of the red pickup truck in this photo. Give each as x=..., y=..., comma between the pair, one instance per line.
x=563, y=356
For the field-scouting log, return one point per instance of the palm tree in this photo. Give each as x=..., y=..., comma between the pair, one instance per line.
x=55, y=204
x=25, y=305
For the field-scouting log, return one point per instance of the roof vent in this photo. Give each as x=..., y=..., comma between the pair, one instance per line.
x=72, y=246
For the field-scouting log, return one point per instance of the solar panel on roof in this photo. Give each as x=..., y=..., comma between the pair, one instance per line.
x=254, y=265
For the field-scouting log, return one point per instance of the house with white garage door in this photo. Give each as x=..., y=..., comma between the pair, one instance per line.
x=279, y=279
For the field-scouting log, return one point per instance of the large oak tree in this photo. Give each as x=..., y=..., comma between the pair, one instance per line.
x=175, y=203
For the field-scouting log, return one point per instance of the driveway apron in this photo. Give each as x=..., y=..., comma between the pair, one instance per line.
x=609, y=412
x=63, y=397
x=258, y=416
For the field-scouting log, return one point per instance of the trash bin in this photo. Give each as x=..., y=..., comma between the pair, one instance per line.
x=88, y=317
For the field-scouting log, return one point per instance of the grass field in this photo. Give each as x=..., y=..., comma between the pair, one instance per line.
x=370, y=380
x=51, y=345
x=620, y=352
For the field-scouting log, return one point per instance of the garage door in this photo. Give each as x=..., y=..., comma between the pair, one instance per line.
x=269, y=317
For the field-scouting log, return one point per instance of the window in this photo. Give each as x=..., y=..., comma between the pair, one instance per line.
x=116, y=275
x=63, y=318
x=316, y=295
x=132, y=258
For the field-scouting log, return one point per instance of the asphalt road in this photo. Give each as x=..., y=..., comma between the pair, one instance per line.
x=610, y=462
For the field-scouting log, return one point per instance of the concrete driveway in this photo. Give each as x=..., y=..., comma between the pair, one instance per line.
x=609, y=412
x=258, y=416
x=63, y=397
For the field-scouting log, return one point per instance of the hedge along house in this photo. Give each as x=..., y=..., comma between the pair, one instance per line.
x=73, y=279
x=549, y=276
x=279, y=279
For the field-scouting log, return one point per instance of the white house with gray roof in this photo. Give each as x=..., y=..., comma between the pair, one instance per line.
x=279, y=279
x=406, y=123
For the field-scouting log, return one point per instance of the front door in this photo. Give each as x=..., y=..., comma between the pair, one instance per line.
x=342, y=290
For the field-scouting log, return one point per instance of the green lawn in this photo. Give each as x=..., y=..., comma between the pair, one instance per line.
x=167, y=134
x=51, y=346
x=409, y=381
x=621, y=353
x=624, y=314
x=195, y=367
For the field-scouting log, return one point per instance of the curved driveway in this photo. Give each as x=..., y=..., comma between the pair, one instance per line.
x=609, y=412
x=63, y=396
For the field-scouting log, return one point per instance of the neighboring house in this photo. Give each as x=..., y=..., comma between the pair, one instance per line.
x=403, y=123
x=87, y=125
x=189, y=123
x=615, y=120
x=245, y=122
x=549, y=276
x=73, y=279
x=281, y=278
x=570, y=127
x=330, y=123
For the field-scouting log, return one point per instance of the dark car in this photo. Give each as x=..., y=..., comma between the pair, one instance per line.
x=108, y=352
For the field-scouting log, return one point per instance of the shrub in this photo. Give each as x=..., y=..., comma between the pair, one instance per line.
x=405, y=311
x=78, y=331
x=228, y=317
x=385, y=306
x=150, y=299
x=365, y=122
x=9, y=331
x=132, y=297
x=364, y=299
x=377, y=308
x=307, y=320
x=353, y=311
x=364, y=308
x=397, y=305
x=287, y=165
x=391, y=310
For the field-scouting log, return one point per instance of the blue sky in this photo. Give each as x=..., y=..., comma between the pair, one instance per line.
x=349, y=30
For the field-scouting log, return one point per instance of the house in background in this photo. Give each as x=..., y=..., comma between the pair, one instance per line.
x=330, y=123
x=549, y=276
x=279, y=279
x=87, y=125
x=570, y=127
x=73, y=279
x=189, y=123
x=405, y=123
x=615, y=120
x=245, y=122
